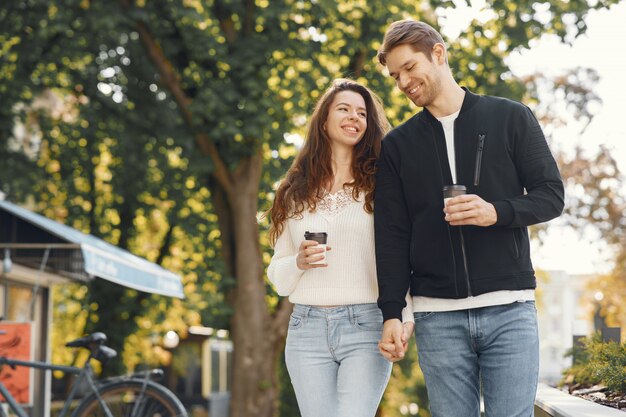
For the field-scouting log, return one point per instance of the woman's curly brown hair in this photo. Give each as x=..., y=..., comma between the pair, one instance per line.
x=311, y=172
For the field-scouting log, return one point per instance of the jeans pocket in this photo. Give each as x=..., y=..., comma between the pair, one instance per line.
x=295, y=322
x=370, y=320
x=529, y=304
x=422, y=315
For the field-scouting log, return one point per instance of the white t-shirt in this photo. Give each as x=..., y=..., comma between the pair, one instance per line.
x=448, y=129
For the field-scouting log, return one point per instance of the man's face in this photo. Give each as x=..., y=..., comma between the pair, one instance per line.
x=416, y=76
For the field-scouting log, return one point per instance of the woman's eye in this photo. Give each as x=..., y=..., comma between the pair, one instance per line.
x=411, y=67
x=363, y=115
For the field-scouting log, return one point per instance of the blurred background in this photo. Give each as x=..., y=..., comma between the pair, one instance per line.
x=163, y=126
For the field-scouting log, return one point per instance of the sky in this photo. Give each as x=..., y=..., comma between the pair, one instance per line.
x=603, y=48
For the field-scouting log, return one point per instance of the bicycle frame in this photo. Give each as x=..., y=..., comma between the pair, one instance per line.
x=98, y=351
x=83, y=373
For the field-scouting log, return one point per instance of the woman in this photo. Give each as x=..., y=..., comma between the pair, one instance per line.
x=332, y=354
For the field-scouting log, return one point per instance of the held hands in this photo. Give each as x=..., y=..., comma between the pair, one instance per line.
x=470, y=209
x=308, y=253
x=395, y=339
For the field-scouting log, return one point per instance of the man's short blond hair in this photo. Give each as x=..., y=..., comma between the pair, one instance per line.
x=419, y=35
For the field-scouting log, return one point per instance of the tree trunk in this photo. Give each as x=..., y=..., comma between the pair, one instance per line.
x=255, y=332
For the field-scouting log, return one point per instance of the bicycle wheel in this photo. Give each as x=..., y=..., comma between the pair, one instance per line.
x=124, y=399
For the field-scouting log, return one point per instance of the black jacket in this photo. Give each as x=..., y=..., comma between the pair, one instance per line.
x=502, y=156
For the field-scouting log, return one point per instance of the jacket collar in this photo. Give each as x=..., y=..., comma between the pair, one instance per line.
x=469, y=101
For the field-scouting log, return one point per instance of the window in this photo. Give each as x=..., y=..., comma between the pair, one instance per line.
x=19, y=302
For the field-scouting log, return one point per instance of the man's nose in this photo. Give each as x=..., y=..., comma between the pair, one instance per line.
x=403, y=81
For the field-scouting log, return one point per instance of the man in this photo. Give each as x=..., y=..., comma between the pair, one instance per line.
x=467, y=264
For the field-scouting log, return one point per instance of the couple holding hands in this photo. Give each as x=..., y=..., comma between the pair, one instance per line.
x=401, y=261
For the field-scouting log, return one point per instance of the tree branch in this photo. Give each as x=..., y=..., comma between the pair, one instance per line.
x=357, y=62
x=165, y=246
x=248, y=18
x=249, y=169
x=223, y=14
x=171, y=80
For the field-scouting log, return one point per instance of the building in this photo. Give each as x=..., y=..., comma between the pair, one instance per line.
x=37, y=252
x=565, y=310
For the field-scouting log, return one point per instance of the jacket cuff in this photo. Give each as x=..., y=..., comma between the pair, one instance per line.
x=505, y=213
x=392, y=310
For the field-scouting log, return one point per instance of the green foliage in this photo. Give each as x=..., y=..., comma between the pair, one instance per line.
x=598, y=362
x=406, y=387
x=287, y=403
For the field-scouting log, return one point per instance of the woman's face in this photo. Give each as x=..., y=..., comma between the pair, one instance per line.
x=347, y=119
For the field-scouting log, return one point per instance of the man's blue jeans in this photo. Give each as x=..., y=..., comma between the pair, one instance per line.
x=496, y=346
x=333, y=360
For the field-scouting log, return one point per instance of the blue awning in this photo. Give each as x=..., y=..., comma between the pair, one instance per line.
x=96, y=258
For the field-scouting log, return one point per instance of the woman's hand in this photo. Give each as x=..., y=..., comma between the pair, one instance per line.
x=308, y=253
x=407, y=331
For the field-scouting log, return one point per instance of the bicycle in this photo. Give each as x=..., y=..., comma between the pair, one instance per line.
x=136, y=395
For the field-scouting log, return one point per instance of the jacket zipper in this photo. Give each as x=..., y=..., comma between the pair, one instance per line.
x=463, y=252
x=479, y=157
x=467, y=279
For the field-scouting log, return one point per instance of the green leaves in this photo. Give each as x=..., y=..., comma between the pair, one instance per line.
x=598, y=362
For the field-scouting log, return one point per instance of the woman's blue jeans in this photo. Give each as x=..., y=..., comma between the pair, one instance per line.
x=497, y=347
x=333, y=360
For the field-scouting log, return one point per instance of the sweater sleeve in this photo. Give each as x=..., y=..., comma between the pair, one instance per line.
x=392, y=229
x=283, y=272
x=539, y=174
x=407, y=312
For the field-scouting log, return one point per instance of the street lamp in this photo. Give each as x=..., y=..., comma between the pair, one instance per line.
x=7, y=264
x=171, y=339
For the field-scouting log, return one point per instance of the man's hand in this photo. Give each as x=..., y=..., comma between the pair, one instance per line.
x=394, y=340
x=470, y=209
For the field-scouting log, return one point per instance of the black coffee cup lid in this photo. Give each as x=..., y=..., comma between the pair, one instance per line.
x=315, y=234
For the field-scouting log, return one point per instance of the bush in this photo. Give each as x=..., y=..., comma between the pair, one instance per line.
x=598, y=362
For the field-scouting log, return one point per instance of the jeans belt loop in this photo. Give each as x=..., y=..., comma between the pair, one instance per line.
x=351, y=314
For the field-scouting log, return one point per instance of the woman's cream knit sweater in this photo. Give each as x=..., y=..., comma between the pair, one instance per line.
x=350, y=277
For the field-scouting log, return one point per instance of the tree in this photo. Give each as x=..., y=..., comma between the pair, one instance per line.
x=216, y=85
x=595, y=199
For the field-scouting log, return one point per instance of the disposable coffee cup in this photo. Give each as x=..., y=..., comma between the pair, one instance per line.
x=451, y=191
x=320, y=238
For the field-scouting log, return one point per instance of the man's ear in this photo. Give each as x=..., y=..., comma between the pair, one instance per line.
x=439, y=53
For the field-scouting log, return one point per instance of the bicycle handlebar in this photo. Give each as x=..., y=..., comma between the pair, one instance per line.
x=97, y=338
